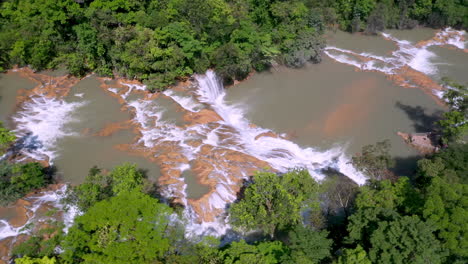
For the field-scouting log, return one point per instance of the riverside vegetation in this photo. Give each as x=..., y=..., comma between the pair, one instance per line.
x=391, y=219
x=159, y=42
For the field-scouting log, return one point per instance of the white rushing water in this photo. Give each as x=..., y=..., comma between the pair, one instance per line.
x=52, y=198
x=41, y=122
x=188, y=103
x=280, y=153
x=417, y=57
x=234, y=133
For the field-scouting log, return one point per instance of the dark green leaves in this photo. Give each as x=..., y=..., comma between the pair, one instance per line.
x=274, y=202
x=127, y=228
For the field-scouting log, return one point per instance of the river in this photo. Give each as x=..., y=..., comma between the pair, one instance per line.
x=200, y=140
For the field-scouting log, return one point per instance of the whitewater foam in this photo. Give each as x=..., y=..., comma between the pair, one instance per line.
x=132, y=87
x=280, y=153
x=53, y=198
x=455, y=38
x=188, y=103
x=41, y=122
x=232, y=133
x=418, y=57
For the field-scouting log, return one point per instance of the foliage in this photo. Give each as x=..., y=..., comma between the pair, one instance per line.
x=451, y=165
x=406, y=239
x=374, y=160
x=43, y=260
x=455, y=122
x=454, y=126
x=399, y=221
x=42, y=244
x=18, y=179
x=354, y=256
x=444, y=183
x=380, y=201
x=307, y=47
x=274, y=202
x=158, y=42
x=263, y=252
x=98, y=187
x=339, y=194
x=446, y=207
x=6, y=138
x=308, y=246
x=129, y=227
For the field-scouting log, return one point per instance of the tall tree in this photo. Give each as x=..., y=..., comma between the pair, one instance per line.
x=7, y=137
x=405, y=240
x=127, y=228
x=375, y=160
x=273, y=202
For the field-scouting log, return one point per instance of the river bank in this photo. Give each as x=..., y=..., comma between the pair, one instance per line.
x=199, y=141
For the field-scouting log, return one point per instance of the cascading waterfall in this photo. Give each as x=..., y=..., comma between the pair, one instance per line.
x=52, y=198
x=280, y=153
x=232, y=133
x=40, y=123
x=416, y=56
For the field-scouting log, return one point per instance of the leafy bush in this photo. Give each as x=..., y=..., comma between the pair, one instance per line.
x=19, y=179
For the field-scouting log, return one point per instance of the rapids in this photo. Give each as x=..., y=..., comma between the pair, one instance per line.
x=417, y=56
x=199, y=132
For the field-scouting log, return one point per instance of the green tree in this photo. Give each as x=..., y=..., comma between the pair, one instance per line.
x=127, y=228
x=6, y=138
x=450, y=164
x=380, y=201
x=18, y=179
x=455, y=122
x=98, y=186
x=306, y=47
x=125, y=178
x=405, y=240
x=28, y=260
x=274, y=202
x=28, y=176
x=308, y=246
x=41, y=244
x=443, y=182
x=454, y=126
x=375, y=160
x=354, y=256
x=446, y=207
x=94, y=189
x=263, y=252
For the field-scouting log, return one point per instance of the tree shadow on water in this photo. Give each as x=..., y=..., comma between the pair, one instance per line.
x=422, y=122
x=406, y=166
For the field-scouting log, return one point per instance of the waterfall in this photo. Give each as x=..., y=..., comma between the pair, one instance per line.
x=41, y=122
x=280, y=153
x=416, y=56
x=46, y=198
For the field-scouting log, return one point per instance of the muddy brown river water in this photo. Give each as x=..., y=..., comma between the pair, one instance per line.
x=199, y=140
